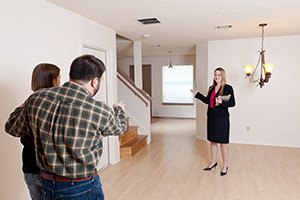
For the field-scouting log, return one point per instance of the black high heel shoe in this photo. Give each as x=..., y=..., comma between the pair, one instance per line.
x=210, y=168
x=224, y=173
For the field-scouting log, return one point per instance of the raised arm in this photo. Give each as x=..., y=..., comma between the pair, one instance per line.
x=117, y=123
x=201, y=97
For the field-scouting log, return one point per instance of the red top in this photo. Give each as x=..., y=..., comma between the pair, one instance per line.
x=212, y=99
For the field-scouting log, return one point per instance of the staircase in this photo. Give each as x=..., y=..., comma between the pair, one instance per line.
x=131, y=142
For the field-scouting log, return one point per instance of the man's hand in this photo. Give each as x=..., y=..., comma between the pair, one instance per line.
x=120, y=104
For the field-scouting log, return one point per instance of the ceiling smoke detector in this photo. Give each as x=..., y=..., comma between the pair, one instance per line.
x=145, y=36
x=146, y=21
x=224, y=26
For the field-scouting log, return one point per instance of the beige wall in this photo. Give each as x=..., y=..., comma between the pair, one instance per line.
x=271, y=113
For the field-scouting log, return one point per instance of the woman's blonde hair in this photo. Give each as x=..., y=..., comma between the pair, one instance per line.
x=43, y=76
x=223, y=82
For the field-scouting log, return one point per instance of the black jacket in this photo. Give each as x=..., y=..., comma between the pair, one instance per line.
x=222, y=109
x=28, y=155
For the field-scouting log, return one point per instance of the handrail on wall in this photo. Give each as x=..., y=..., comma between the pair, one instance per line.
x=141, y=94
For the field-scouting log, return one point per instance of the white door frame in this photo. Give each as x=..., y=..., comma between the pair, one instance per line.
x=113, y=141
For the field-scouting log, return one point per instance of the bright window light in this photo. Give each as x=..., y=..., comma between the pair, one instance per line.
x=177, y=83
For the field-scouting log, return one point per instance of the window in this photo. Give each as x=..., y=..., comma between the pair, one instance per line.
x=177, y=83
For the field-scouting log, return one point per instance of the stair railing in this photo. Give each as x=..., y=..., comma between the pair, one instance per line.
x=140, y=93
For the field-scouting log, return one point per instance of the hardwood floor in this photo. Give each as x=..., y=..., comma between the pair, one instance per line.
x=171, y=167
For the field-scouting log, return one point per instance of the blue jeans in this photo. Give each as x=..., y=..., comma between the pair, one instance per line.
x=83, y=190
x=34, y=184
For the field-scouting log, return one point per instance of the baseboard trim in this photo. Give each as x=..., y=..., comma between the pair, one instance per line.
x=166, y=117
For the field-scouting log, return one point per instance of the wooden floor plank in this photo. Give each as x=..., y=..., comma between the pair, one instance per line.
x=171, y=167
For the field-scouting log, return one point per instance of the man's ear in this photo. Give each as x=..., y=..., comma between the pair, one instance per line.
x=54, y=82
x=94, y=82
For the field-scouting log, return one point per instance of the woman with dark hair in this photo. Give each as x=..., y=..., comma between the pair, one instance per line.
x=220, y=96
x=43, y=76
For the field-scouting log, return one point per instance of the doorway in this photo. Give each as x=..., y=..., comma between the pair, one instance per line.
x=100, y=96
x=146, y=77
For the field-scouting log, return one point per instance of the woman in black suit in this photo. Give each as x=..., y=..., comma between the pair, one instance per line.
x=220, y=96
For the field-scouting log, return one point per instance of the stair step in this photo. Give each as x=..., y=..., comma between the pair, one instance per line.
x=132, y=147
x=130, y=134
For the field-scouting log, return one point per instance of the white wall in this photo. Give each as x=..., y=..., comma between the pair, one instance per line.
x=272, y=113
x=137, y=111
x=159, y=110
x=202, y=85
x=35, y=31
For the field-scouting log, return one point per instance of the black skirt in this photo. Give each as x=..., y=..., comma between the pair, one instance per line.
x=217, y=128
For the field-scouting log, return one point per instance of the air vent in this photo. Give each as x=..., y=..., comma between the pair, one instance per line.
x=146, y=21
x=225, y=26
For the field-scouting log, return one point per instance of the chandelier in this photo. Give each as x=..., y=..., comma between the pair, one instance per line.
x=265, y=68
x=170, y=64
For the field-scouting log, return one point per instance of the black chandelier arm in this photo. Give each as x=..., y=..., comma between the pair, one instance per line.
x=251, y=79
x=258, y=62
x=251, y=76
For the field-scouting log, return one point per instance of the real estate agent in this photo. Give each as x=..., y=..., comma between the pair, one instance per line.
x=220, y=96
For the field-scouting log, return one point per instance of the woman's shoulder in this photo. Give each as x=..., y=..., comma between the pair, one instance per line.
x=228, y=87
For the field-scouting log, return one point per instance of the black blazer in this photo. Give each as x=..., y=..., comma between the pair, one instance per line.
x=222, y=109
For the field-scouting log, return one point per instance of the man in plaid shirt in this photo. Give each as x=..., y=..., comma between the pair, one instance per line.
x=68, y=126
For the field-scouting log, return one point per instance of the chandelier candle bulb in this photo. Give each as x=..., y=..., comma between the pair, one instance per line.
x=269, y=67
x=248, y=69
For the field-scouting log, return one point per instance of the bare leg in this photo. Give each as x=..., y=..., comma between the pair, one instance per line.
x=224, y=152
x=213, y=153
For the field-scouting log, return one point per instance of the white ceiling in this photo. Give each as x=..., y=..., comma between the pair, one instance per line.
x=184, y=23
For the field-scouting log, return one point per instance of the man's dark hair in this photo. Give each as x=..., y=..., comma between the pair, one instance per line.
x=86, y=67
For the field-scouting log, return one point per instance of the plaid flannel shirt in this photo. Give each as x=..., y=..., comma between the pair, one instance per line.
x=68, y=126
